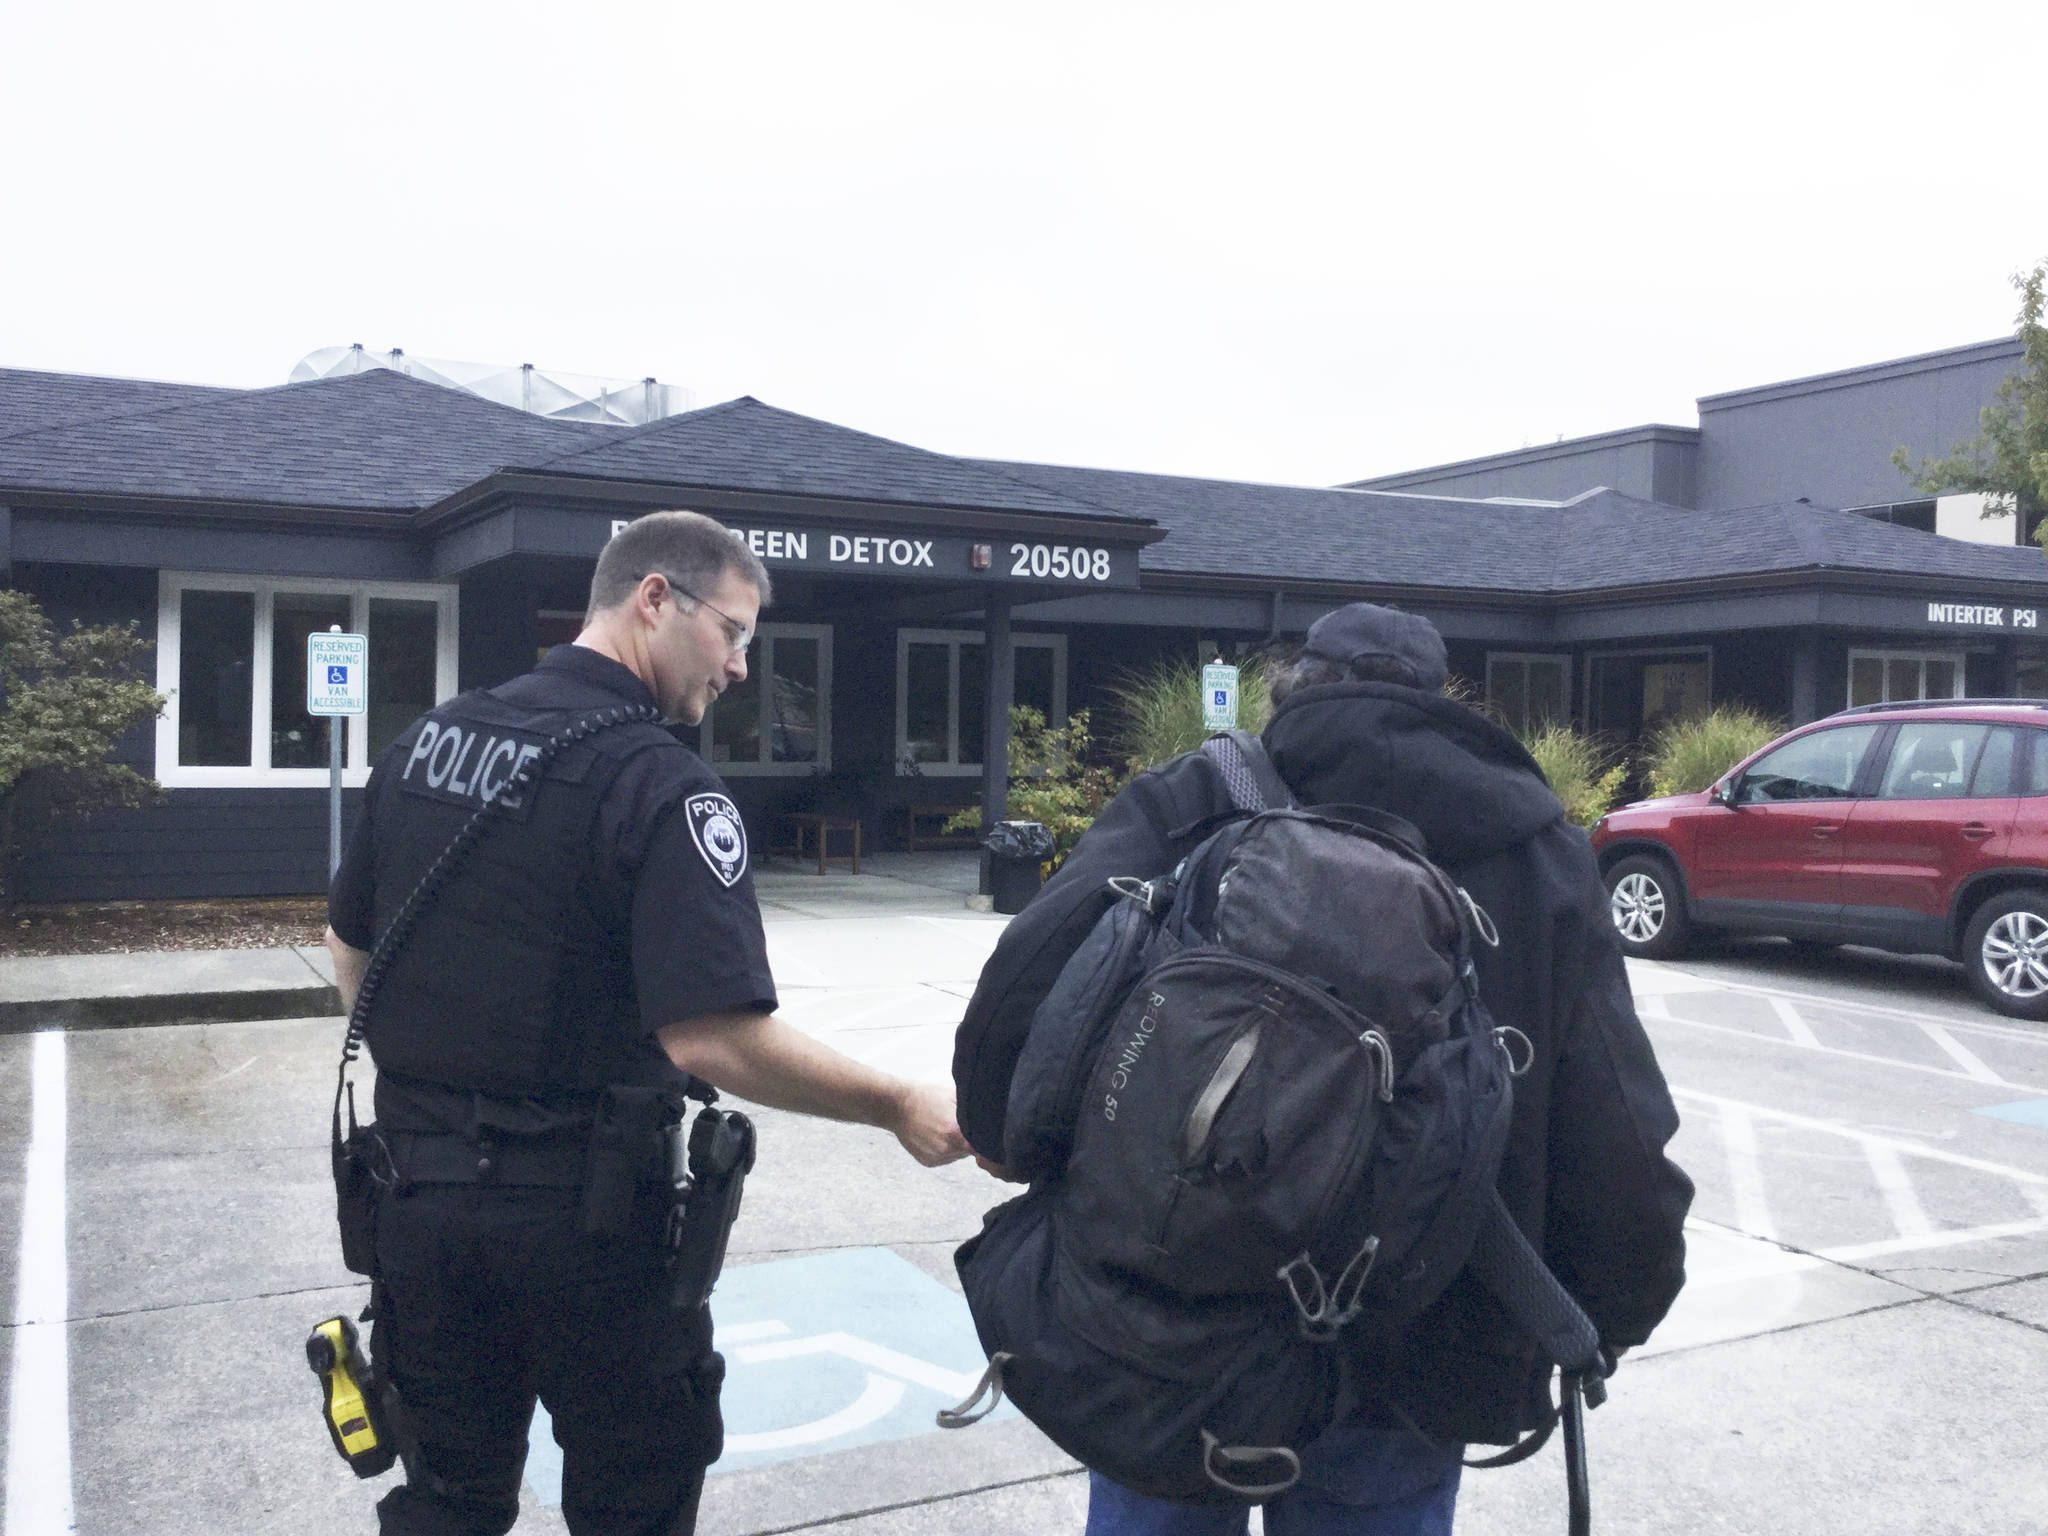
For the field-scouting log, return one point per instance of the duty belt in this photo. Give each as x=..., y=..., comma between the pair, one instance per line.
x=554, y=1162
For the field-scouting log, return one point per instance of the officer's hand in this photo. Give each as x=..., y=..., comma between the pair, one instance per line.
x=998, y=1170
x=925, y=1124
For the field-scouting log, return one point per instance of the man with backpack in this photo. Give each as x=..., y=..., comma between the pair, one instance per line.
x=1360, y=721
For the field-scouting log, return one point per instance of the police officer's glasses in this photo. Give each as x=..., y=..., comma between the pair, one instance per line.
x=738, y=636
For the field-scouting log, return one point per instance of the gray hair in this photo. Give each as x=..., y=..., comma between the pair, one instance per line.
x=1308, y=671
x=693, y=551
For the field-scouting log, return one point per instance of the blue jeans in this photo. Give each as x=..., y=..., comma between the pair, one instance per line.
x=1356, y=1480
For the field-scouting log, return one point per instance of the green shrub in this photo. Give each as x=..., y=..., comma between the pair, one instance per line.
x=1052, y=781
x=66, y=697
x=1689, y=754
x=1158, y=709
x=1584, y=772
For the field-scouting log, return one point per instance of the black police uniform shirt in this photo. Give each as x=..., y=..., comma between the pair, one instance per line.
x=696, y=941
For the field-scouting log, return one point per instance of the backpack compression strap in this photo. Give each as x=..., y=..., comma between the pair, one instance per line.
x=1511, y=1268
x=1254, y=783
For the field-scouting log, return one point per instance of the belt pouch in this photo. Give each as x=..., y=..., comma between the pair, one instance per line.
x=359, y=1158
x=625, y=1151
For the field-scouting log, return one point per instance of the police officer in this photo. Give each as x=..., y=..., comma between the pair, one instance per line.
x=598, y=941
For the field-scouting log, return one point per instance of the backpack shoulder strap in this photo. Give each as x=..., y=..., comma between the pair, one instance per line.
x=1248, y=773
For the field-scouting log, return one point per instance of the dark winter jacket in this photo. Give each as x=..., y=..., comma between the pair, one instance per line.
x=1585, y=1171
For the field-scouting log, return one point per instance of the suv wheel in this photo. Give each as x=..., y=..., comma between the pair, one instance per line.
x=1647, y=906
x=2005, y=950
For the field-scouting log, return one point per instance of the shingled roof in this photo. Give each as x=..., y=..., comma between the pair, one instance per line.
x=379, y=440
x=1598, y=541
x=376, y=440
x=31, y=400
x=746, y=445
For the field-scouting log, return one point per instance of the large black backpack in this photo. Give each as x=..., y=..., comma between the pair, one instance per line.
x=1263, y=1110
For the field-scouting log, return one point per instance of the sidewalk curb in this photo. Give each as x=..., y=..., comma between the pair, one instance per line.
x=138, y=1010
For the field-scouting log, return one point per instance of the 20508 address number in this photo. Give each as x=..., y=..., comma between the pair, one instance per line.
x=1058, y=560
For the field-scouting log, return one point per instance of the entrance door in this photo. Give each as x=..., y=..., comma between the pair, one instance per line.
x=1631, y=695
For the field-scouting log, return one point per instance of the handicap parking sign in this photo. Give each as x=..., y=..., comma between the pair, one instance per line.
x=823, y=1354
x=337, y=674
x=1219, y=697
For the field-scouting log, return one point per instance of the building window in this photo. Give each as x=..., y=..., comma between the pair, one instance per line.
x=1906, y=514
x=1889, y=677
x=940, y=676
x=780, y=719
x=231, y=660
x=1528, y=691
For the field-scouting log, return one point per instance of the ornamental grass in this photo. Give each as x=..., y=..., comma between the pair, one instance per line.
x=1689, y=754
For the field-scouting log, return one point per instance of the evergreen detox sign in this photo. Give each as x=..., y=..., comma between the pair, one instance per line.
x=937, y=555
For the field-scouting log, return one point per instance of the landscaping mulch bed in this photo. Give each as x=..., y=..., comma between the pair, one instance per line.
x=127, y=927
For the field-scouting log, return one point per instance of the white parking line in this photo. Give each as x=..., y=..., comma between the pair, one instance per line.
x=39, y=1392
x=1960, y=1054
x=2025, y=1177
x=1796, y=1028
x=1664, y=1015
x=1900, y=1197
x=1746, y=1173
x=2019, y=1035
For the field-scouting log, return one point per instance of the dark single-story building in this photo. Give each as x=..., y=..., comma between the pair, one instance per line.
x=917, y=594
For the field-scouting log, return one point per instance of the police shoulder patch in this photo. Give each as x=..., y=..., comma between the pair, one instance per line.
x=720, y=835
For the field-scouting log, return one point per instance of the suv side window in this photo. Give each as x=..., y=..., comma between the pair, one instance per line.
x=1932, y=760
x=1818, y=766
x=1997, y=764
x=2035, y=756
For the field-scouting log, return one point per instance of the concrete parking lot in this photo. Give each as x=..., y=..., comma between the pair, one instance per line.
x=1860, y=1348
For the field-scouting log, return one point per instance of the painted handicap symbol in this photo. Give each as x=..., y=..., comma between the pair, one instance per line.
x=823, y=1354
x=888, y=1375
x=338, y=676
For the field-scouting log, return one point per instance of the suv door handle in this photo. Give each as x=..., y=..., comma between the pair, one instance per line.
x=1826, y=828
x=1975, y=829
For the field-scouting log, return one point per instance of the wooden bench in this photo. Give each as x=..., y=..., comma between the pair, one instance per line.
x=934, y=816
x=808, y=824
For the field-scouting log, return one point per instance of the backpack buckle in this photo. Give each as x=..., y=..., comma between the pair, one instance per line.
x=1325, y=1310
x=1382, y=1053
x=1222, y=1463
x=1155, y=896
x=1503, y=1036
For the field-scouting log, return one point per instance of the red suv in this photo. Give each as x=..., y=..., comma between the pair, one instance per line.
x=1921, y=828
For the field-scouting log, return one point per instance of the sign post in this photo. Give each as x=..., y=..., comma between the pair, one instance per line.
x=337, y=684
x=1219, y=697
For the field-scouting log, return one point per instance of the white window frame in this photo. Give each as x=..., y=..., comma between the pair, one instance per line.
x=260, y=775
x=952, y=767
x=1561, y=658
x=1956, y=659
x=764, y=766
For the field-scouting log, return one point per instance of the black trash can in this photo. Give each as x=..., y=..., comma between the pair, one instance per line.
x=1017, y=851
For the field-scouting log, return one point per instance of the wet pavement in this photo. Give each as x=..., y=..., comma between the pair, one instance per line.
x=1862, y=1348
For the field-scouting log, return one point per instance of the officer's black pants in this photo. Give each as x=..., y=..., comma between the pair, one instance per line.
x=493, y=1298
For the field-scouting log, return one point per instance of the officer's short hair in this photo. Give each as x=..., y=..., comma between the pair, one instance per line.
x=694, y=552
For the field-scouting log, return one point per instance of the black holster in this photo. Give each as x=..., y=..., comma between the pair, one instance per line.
x=707, y=1174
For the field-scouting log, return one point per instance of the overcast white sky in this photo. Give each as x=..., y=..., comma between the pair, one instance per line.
x=1285, y=241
